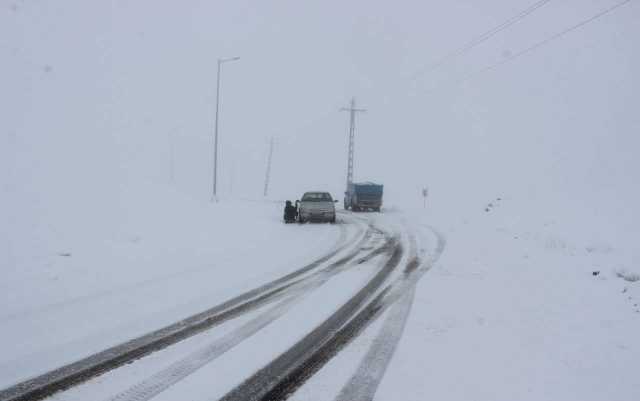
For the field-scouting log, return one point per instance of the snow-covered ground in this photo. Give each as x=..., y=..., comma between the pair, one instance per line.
x=513, y=310
x=218, y=376
x=510, y=310
x=107, y=232
x=94, y=282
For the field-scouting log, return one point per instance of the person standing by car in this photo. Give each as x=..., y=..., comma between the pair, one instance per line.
x=290, y=212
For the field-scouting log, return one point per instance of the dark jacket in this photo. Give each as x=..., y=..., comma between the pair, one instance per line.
x=290, y=212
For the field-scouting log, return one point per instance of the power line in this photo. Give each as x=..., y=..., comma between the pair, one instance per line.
x=488, y=35
x=481, y=38
x=547, y=40
x=464, y=49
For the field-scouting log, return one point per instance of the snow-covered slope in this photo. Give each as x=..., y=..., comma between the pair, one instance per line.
x=520, y=307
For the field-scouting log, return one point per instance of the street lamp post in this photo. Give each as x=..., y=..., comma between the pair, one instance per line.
x=214, y=197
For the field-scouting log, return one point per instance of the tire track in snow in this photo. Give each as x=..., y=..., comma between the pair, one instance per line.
x=281, y=377
x=364, y=383
x=179, y=370
x=377, y=358
x=82, y=370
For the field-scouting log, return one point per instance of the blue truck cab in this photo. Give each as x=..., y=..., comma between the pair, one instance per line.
x=363, y=196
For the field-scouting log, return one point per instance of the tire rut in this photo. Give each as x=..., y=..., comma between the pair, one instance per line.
x=364, y=383
x=94, y=365
x=281, y=377
x=179, y=370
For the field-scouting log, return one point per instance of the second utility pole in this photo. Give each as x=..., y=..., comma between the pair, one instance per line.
x=352, y=128
x=268, y=173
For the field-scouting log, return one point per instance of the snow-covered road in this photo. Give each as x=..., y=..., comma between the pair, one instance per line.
x=331, y=312
x=266, y=342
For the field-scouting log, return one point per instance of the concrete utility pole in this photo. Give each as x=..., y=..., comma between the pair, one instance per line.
x=214, y=195
x=172, y=172
x=268, y=173
x=352, y=128
x=232, y=176
x=425, y=193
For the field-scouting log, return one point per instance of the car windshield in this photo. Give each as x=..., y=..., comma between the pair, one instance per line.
x=316, y=197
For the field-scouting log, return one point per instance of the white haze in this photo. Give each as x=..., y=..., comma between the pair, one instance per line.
x=100, y=97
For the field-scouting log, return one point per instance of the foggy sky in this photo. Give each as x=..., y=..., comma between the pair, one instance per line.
x=98, y=93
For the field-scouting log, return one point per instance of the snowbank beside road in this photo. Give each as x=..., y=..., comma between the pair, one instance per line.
x=513, y=310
